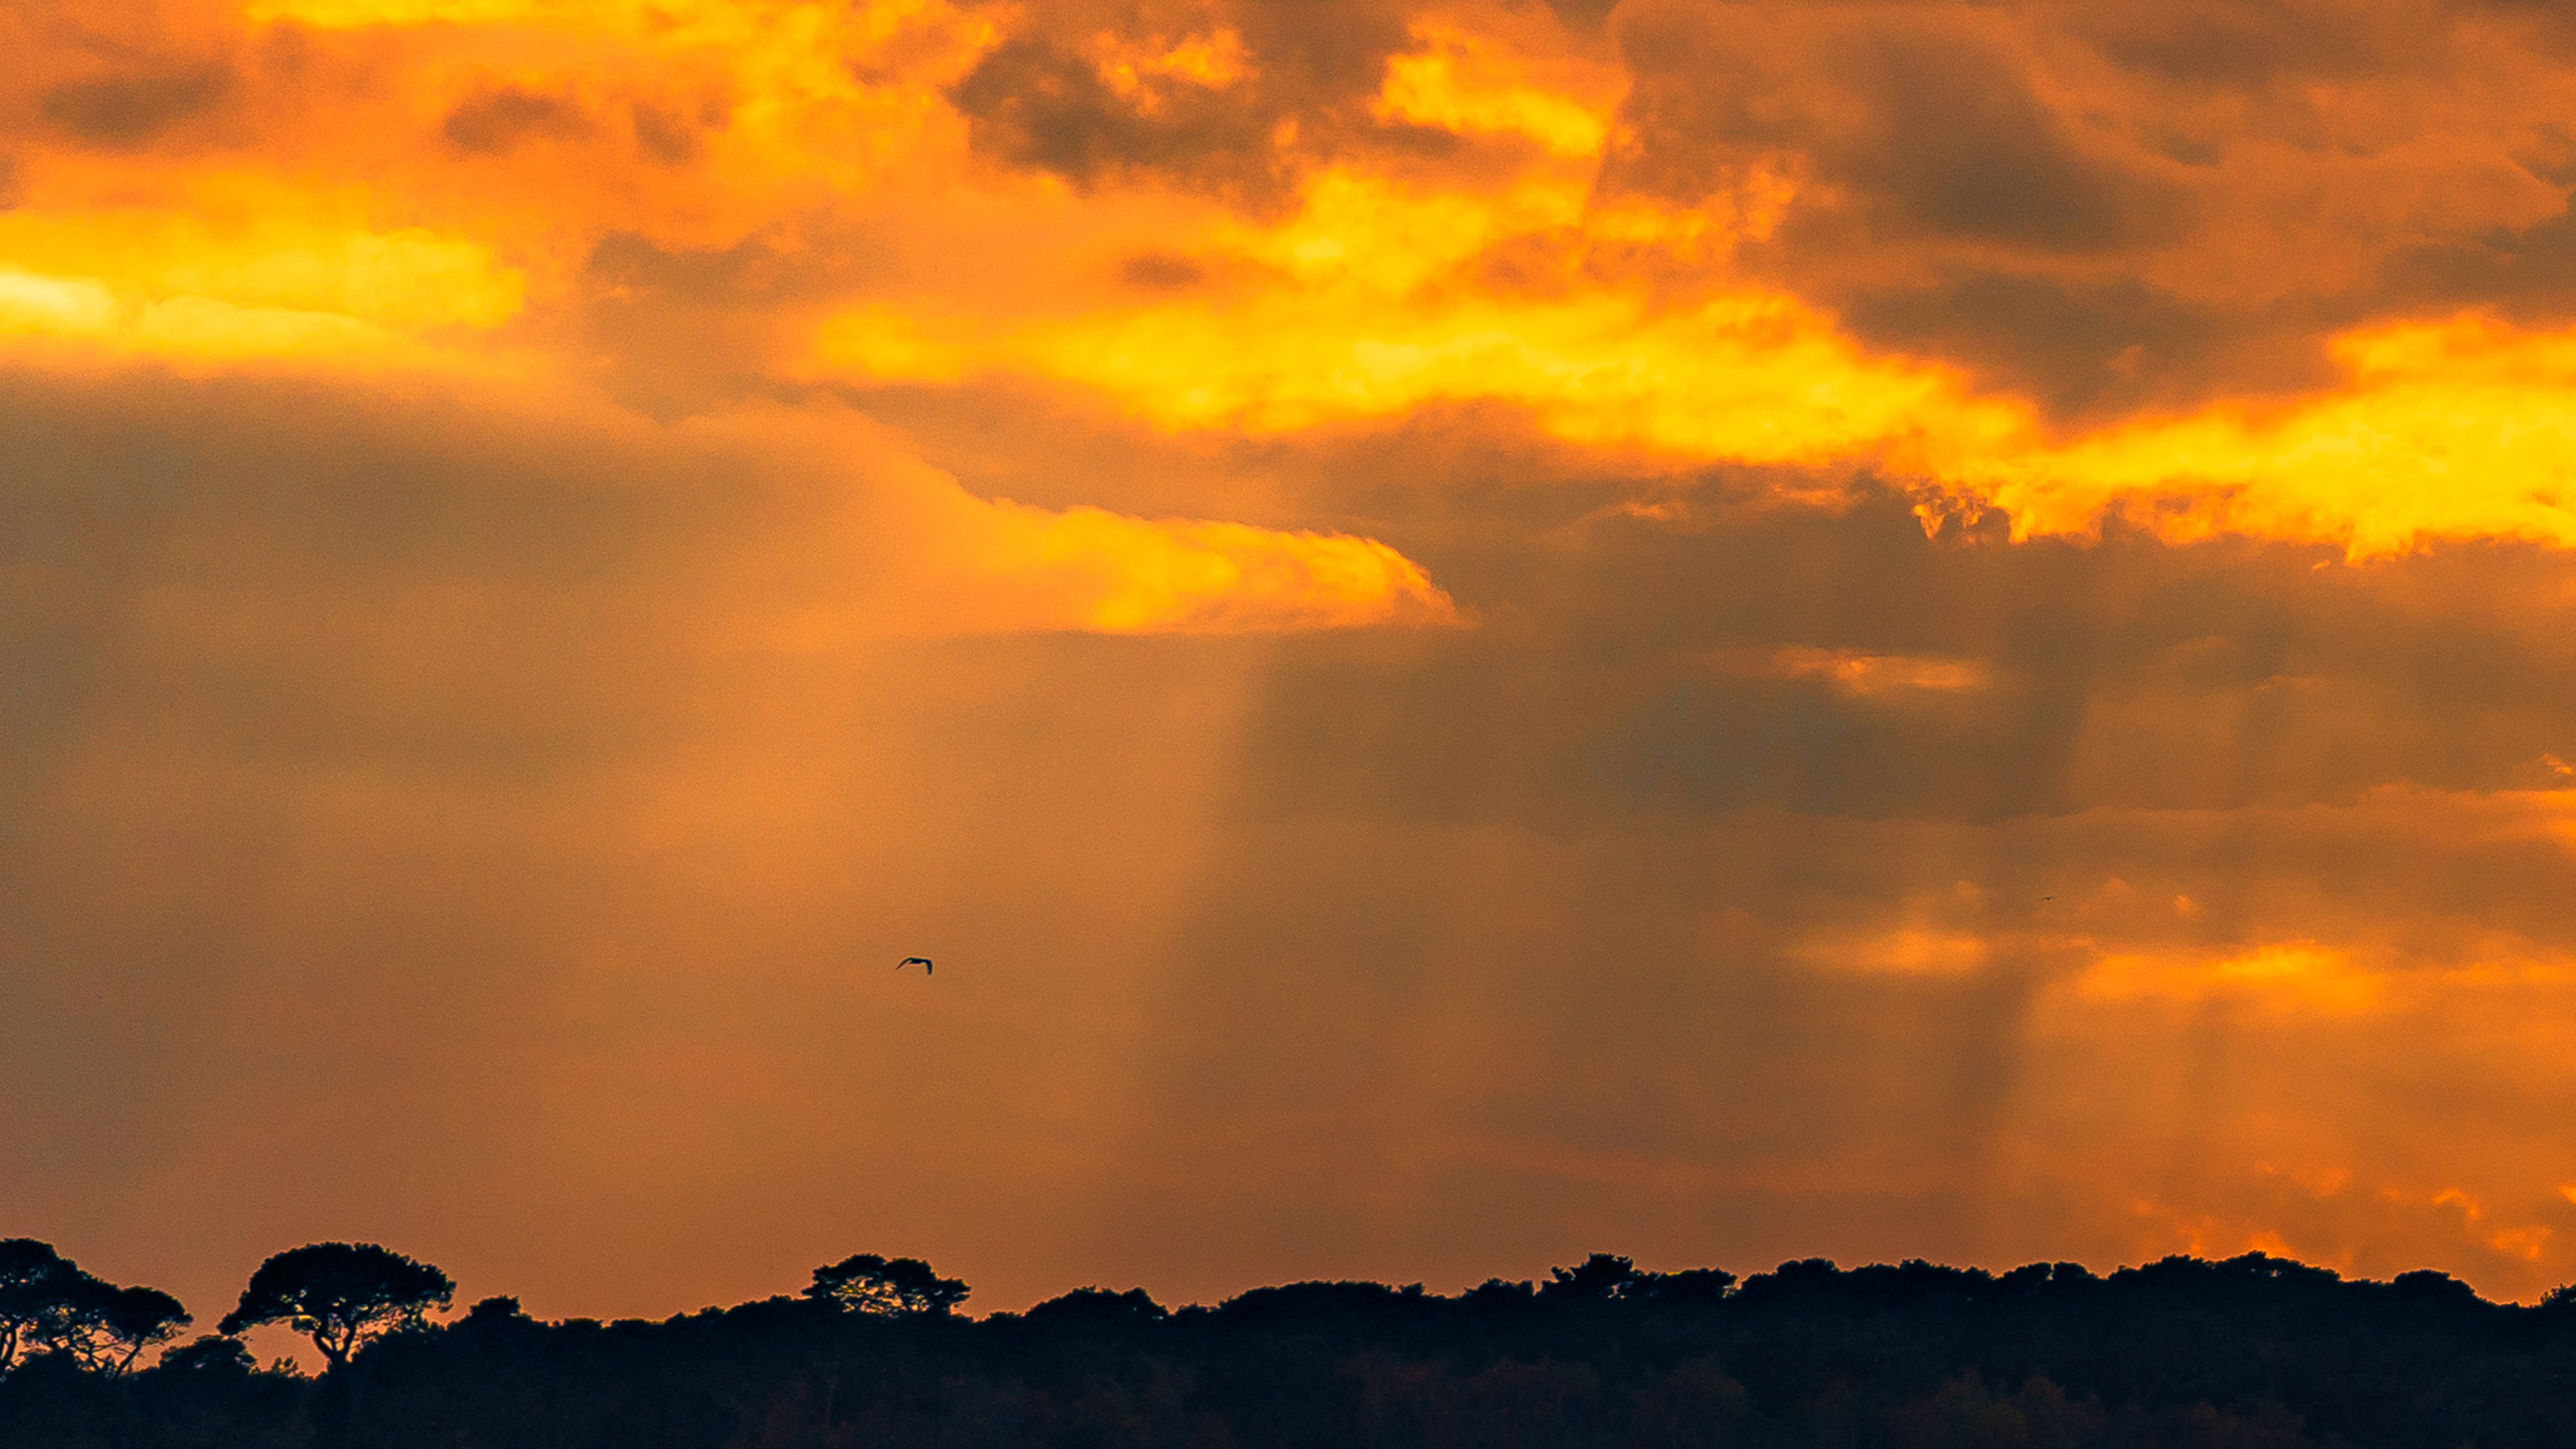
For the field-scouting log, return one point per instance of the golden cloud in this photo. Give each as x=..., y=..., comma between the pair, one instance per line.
x=1469, y=83
x=259, y=283
x=2461, y=429
x=1020, y=568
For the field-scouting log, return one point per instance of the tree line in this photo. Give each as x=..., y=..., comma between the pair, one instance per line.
x=2253, y=1352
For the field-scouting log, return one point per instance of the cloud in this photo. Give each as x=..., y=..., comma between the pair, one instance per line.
x=2441, y=431
x=1034, y=105
x=1193, y=575
x=127, y=111
x=2226, y=44
x=880, y=544
x=2190, y=160
x=1855, y=672
x=1460, y=81
x=1243, y=99
x=230, y=283
x=1372, y=285
x=2084, y=351
x=2436, y=434
x=2287, y=976
x=1924, y=120
x=493, y=121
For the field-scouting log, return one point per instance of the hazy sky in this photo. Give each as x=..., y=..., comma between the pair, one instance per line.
x=1718, y=632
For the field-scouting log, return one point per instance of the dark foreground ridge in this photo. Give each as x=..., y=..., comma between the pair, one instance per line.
x=2251, y=1353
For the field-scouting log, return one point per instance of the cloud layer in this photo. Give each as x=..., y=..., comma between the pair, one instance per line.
x=1474, y=633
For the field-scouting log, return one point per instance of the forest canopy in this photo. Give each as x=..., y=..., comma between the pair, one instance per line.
x=2253, y=1352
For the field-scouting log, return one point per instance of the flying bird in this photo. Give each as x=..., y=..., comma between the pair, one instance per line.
x=921, y=961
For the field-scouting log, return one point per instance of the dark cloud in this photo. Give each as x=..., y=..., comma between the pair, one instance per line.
x=2105, y=208
x=2529, y=274
x=1628, y=701
x=1965, y=149
x=2243, y=43
x=1934, y=128
x=1582, y=15
x=1327, y=54
x=493, y=121
x=1032, y=104
x=1160, y=272
x=129, y=110
x=665, y=135
x=1040, y=100
x=2080, y=350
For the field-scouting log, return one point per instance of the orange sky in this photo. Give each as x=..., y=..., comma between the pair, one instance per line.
x=1474, y=633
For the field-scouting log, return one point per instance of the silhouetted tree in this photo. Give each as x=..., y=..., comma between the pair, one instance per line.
x=340, y=1295
x=1691, y=1287
x=47, y=1304
x=1499, y=1295
x=867, y=1283
x=1601, y=1276
x=1099, y=1308
x=35, y=1281
x=489, y=1311
x=107, y=1327
x=210, y=1353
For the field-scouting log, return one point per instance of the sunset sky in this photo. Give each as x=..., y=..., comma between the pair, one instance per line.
x=1473, y=633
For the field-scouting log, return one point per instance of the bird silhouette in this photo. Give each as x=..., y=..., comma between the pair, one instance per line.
x=922, y=961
